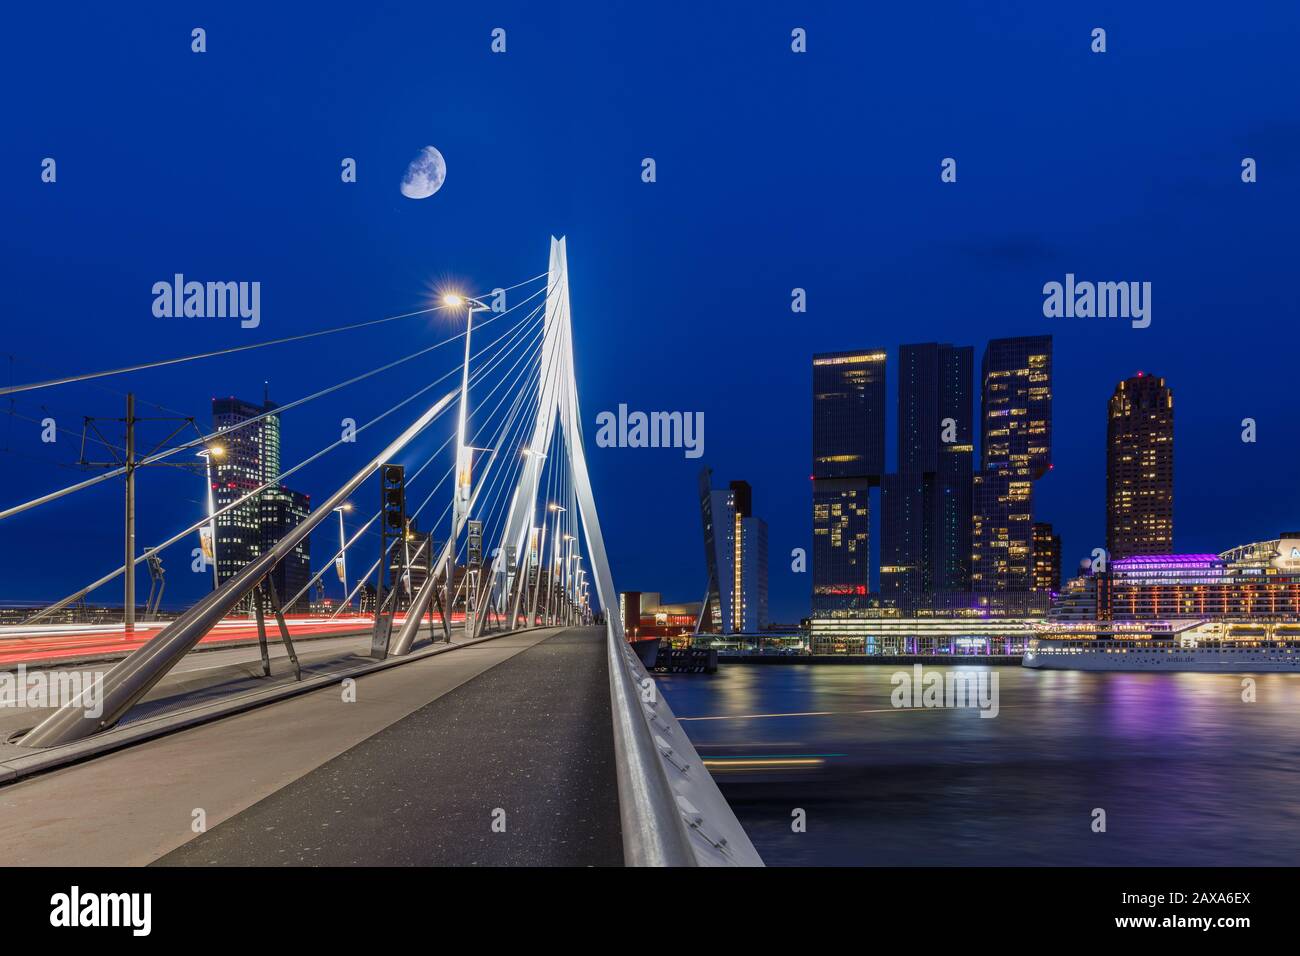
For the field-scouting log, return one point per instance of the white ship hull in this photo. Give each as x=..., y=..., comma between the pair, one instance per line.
x=1206, y=660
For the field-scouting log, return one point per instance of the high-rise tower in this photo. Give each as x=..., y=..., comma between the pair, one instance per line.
x=1140, y=468
x=251, y=459
x=735, y=553
x=848, y=460
x=926, y=504
x=1015, y=451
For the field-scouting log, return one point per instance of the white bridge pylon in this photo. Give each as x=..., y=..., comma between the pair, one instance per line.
x=558, y=405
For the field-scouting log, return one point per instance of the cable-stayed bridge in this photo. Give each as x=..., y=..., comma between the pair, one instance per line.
x=486, y=708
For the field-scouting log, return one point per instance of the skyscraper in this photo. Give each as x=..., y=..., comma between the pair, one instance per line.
x=1047, y=558
x=1140, y=468
x=926, y=505
x=1015, y=448
x=251, y=459
x=735, y=553
x=848, y=460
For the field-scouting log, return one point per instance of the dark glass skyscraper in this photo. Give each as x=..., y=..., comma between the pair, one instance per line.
x=926, y=505
x=848, y=459
x=1140, y=468
x=1015, y=448
x=251, y=458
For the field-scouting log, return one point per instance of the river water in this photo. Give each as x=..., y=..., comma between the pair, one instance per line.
x=1185, y=770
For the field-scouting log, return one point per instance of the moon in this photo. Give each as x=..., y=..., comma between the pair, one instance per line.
x=425, y=175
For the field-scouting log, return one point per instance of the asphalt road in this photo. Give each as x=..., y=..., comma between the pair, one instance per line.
x=514, y=767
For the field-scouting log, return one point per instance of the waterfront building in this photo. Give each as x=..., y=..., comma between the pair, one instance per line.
x=1015, y=452
x=644, y=615
x=848, y=461
x=926, y=505
x=1140, y=468
x=735, y=553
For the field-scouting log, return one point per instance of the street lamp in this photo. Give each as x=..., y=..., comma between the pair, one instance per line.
x=461, y=491
x=566, y=577
x=207, y=454
x=555, y=510
x=341, y=565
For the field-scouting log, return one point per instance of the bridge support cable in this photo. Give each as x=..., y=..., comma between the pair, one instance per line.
x=203, y=440
x=486, y=489
x=133, y=677
x=517, y=532
x=445, y=566
x=510, y=339
x=161, y=363
x=251, y=495
x=530, y=464
x=508, y=479
x=478, y=373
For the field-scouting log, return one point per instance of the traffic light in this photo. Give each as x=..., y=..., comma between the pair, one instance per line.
x=392, y=501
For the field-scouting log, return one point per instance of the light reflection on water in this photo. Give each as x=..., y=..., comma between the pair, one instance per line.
x=1187, y=772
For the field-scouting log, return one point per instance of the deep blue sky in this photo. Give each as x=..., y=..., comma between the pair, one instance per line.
x=775, y=170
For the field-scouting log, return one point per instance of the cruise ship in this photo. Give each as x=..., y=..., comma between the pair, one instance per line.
x=1235, y=612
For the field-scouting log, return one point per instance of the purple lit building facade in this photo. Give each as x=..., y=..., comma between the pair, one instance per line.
x=1259, y=581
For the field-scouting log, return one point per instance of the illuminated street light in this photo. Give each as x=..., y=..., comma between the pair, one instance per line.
x=341, y=565
x=207, y=453
x=464, y=455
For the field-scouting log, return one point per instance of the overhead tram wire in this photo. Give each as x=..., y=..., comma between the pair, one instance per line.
x=87, y=376
x=204, y=439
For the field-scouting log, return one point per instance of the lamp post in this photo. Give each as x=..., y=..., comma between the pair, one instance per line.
x=342, y=564
x=567, y=574
x=574, y=581
x=207, y=454
x=464, y=454
x=556, y=510
x=537, y=585
x=577, y=586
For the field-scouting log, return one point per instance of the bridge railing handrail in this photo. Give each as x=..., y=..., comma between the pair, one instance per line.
x=654, y=833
